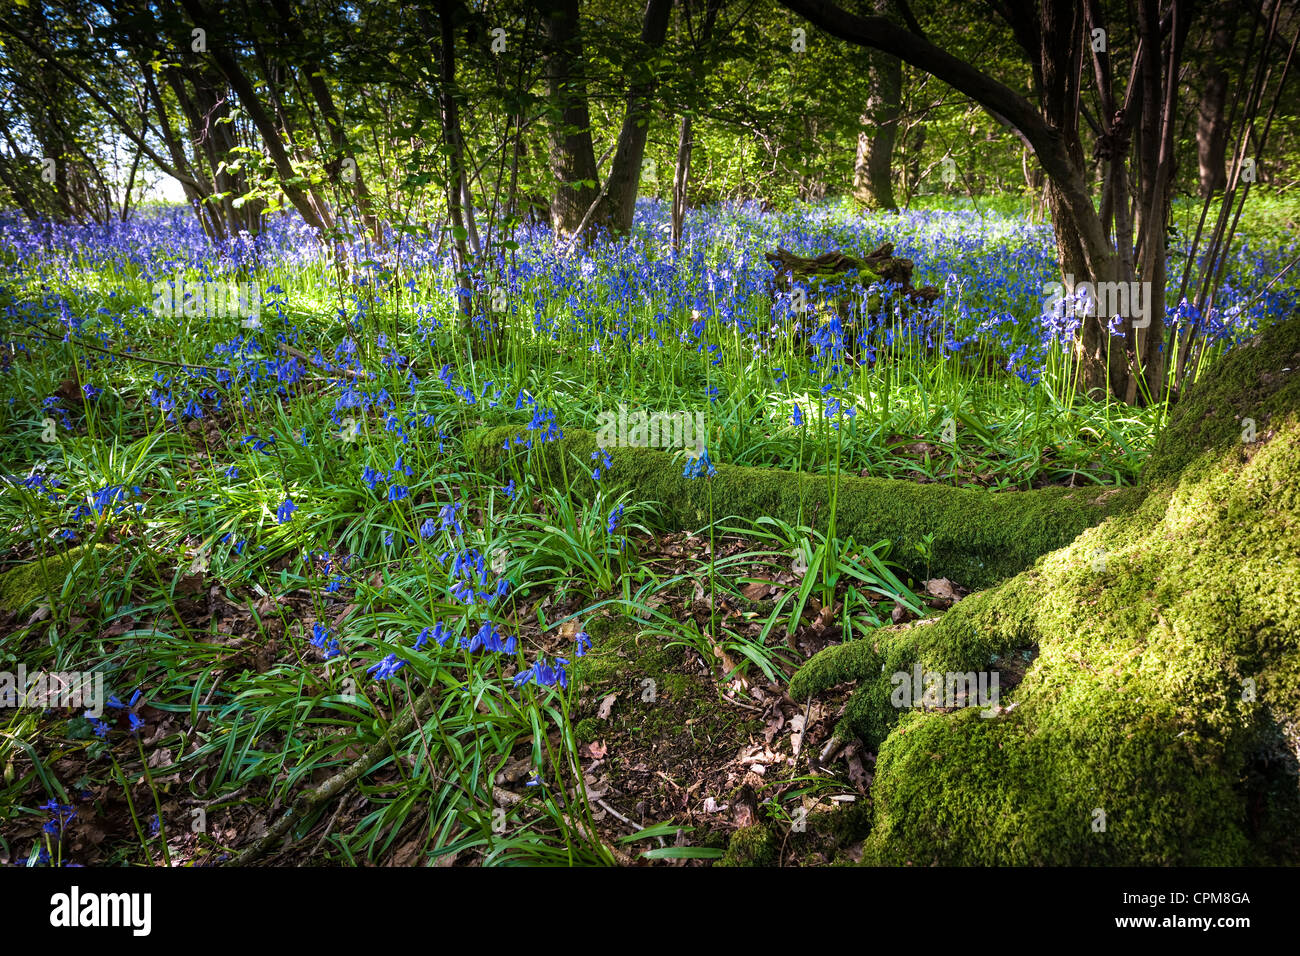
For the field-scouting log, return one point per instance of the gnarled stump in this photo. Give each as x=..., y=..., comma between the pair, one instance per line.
x=840, y=267
x=829, y=280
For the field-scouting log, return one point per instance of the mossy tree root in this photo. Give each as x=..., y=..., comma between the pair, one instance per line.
x=1160, y=720
x=979, y=537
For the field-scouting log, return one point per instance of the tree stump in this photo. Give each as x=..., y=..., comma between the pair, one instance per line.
x=829, y=278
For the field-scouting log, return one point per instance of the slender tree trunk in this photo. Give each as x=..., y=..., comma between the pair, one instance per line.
x=199, y=188
x=1055, y=46
x=353, y=181
x=456, y=190
x=873, y=164
x=1211, y=122
x=625, y=172
x=681, y=176
x=572, y=158
x=312, y=209
x=686, y=127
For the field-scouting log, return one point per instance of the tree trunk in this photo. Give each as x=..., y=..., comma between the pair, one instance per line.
x=1055, y=46
x=625, y=172
x=354, y=181
x=1211, y=123
x=310, y=206
x=681, y=176
x=455, y=185
x=572, y=158
x=873, y=165
x=686, y=129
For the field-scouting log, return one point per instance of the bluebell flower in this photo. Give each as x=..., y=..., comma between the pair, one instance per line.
x=104, y=497
x=602, y=460
x=488, y=638
x=448, y=516
x=60, y=816
x=320, y=638
x=440, y=634
x=386, y=668
x=285, y=511
x=696, y=467
x=319, y=635
x=259, y=444
x=544, y=674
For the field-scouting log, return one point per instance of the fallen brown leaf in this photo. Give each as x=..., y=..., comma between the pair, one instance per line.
x=944, y=589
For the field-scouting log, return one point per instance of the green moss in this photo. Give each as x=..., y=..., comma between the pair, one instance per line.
x=1165, y=690
x=619, y=654
x=1113, y=784
x=825, y=837
x=754, y=845
x=1255, y=380
x=979, y=537
x=657, y=703
x=870, y=713
x=33, y=581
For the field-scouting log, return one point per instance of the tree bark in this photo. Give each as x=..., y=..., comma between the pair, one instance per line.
x=873, y=164
x=312, y=208
x=686, y=127
x=355, y=182
x=1211, y=122
x=448, y=97
x=572, y=157
x=625, y=172
x=681, y=176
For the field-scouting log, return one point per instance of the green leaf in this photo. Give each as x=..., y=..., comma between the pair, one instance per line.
x=683, y=853
x=666, y=828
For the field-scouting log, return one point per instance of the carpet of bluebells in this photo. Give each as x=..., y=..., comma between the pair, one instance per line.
x=273, y=543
